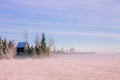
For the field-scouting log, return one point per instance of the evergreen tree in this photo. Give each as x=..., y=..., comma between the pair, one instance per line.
x=37, y=45
x=43, y=44
x=1, y=48
x=37, y=50
x=5, y=47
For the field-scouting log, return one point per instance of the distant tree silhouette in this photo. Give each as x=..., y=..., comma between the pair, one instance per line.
x=5, y=48
x=37, y=45
x=43, y=44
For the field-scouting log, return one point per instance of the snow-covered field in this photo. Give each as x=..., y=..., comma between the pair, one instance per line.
x=63, y=67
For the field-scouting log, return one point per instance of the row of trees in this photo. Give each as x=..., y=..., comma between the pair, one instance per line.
x=41, y=48
x=7, y=49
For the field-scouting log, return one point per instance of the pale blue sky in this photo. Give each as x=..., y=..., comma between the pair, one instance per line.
x=87, y=25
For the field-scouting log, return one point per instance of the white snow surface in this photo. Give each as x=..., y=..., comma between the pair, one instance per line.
x=63, y=67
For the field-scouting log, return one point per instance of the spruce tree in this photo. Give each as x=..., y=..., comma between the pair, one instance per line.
x=5, y=48
x=43, y=44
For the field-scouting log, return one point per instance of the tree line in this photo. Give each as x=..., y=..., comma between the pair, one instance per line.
x=41, y=48
x=8, y=49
